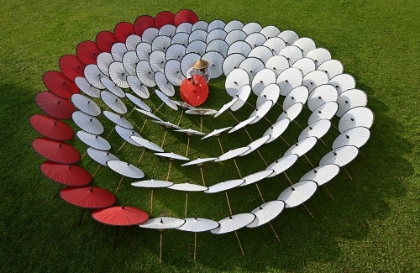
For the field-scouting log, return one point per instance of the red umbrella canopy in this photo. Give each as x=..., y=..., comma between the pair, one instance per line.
x=120, y=216
x=88, y=197
x=71, y=66
x=195, y=93
x=164, y=18
x=142, y=23
x=123, y=30
x=185, y=16
x=59, y=84
x=56, y=151
x=87, y=51
x=105, y=40
x=51, y=127
x=54, y=106
x=69, y=175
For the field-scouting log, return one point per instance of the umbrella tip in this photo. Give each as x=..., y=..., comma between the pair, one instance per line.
x=122, y=206
x=195, y=217
x=161, y=220
x=91, y=189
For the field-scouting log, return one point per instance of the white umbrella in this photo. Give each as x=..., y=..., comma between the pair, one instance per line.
x=111, y=87
x=167, y=30
x=215, y=60
x=117, y=51
x=215, y=24
x=139, y=88
x=317, y=129
x=94, y=141
x=138, y=102
x=332, y=67
x=314, y=79
x=225, y=186
x=166, y=124
x=255, y=39
x=149, y=35
x=143, y=51
x=236, y=79
x=180, y=38
x=132, y=41
x=262, y=79
x=292, y=53
x=240, y=47
x=297, y=193
x=301, y=147
x=93, y=75
x=157, y=61
x=197, y=47
x=320, y=95
x=305, y=44
x=275, y=44
x=319, y=55
x=145, y=74
x=199, y=161
x=118, y=120
x=255, y=177
x=146, y=144
x=216, y=132
x=321, y=174
x=278, y=64
x=254, y=145
x=190, y=132
x=125, y=169
x=277, y=129
x=86, y=105
x=297, y=95
x=288, y=79
x=232, y=62
x=148, y=113
x=232, y=25
x=266, y=212
x=175, y=52
x=87, y=88
x=292, y=112
x=113, y=102
x=356, y=117
x=289, y=36
x=232, y=154
x=118, y=74
x=173, y=72
x=340, y=156
x=217, y=33
x=218, y=45
x=161, y=43
x=104, y=60
x=261, y=52
x=261, y=111
x=197, y=35
x=270, y=31
x=188, y=61
x=101, y=156
x=152, y=183
x=282, y=164
x=357, y=136
x=126, y=134
x=226, y=106
x=350, y=99
x=173, y=156
x=201, y=112
x=242, y=96
x=252, y=27
x=187, y=187
x=235, y=35
x=252, y=66
x=188, y=27
x=306, y=65
x=325, y=111
x=130, y=61
x=242, y=124
x=166, y=89
x=87, y=123
x=343, y=82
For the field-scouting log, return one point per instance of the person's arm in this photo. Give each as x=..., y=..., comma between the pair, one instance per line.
x=189, y=75
x=208, y=75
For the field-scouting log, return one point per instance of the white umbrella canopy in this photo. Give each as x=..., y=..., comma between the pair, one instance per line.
x=161, y=43
x=173, y=72
x=278, y=64
x=87, y=123
x=118, y=74
x=317, y=129
x=262, y=79
x=232, y=154
x=320, y=95
x=198, y=161
x=218, y=45
x=118, y=120
x=86, y=105
x=215, y=60
x=126, y=134
x=197, y=47
x=357, y=136
x=240, y=47
x=117, y=51
x=225, y=186
x=173, y=156
x=216, y=33
x=152, y=184
x=340, y=156
x=166, y=124
x=277, y=129
x=95, y=141
x=149, y=35
x=175, y=52
x=242, y=124
x=132, y=41
x=261, y=111
x=301, y=147
x=197, y=224
x=125, y=169
x=168, y=30
x=180, y=38
x=252, y=65
x=216, y=132
x=201, y=112
x=87, y=88
x=139, y=88
x=321, y=174
x=319, y=55
x=356, y=117
x=255, y=39
x=138, y=102
x=282, y=164
x=270, y=31
x=275, y=44
x=188, y=27
x=215, y=24
x=162, y=223
x=197, y=35
x=325, y=111
x=147, y=144
x=112, y=87
x=306, y=65
x=289, y=36
x=113, y=102
x=157, y=61
x=236, y=79
x=314, y=79
x=104, y=60
x=292, y=53
x=242, y=96
x=332, y=67
x=256, y=144
x=255, y=177
x=235, y=35
x=143, y=51
x=252, y=27
x=190, y=132
x=101, y=157
x=232, y=62
x=343, y=82
x=233, y=223
x=226, y=106
x=130, y=61
x=266, y=212
x=305, y=44
x=93, y=75
x=298, y=193
x=288, y=79
x=292, y=112
x=299, y=94
x=166, y=89
x=232, y=25
x=187, y=187
x=188, y=61
x=351, y=99
x=145, y=74
x=148, y=114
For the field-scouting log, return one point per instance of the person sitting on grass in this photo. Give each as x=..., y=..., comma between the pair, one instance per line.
x=200, y=68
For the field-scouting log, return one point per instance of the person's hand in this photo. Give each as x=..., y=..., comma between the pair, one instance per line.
x=192, y=80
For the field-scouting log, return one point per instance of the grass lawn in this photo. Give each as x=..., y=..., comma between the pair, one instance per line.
x=372, y=225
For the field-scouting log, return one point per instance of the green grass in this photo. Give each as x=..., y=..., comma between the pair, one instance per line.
x=372, y=225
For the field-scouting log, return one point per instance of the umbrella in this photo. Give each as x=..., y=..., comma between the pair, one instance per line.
x=188, y=61
x=125, y=170
x=240, y=47
x=252, y=27
x=163, y=96
x=232, y=25
x=88, y=123
x=173, y=156
x=87, y=88
x=59, y=84
x=173, y=72
x=266, y=213
x=305, y=65
x=104, y=60
x=232, y=153
x=157, y=61
x=219, y=46
x=126, y=134
x=71, y=66
x=122, y=30
x=180, y=38
x=215, y=24
x=167, y=89
x=130, y=61
x=232, y=62
x=153, y=184
x=319, y=55
x=161, y=43
x=117, y=51
x=215, y=60
x=149, y=35
x=262, y=79
x=94, y=141
x=196, y=46
x=199, y=161
x=88, y=198
x=69, y=175
x=356, y=117
x=101, y=157
x=185, y=16
x=198, y=225
x=226, y=106
x=139, y=88
x=292, y=112
x=321, y=174
x=138, y=102
x=288, y=79
x=350, y=99
x=194, y=93
x=201, y=112
x=118, y=120
x=340, y=156
x=255, y=177
x=332, y=67
x=145, y=74
x=132, y=41
x=162, y=223
x=163, y=18
x=105, y=40
x=270, y=92
x=254, y=145
x=357, y=136
x=56, y=151
x=113, y=102
x=236, y=79
x=288, y=36
x=93, y=75
x=143, y=51
x=187, y=187
x=278, y=64
x=242, y=124
x=292, y=53
x=147, y=144
x=167, y=30
x=167, y=124
x=320, y=95
x=175, y=52
x=317, y=129
x=299, y=94
x=241, y=97
x=51, y=127
x=282, y=164
x=297, y=193
x=216, y=33
x=235, y=35
x=277, y=129
x=252, y=66
x=148, y=113
x=305, y=44
x=325, y=111
x=225, y=186
x=301, y=147
x=197, y=35
x=118, y=74
x=261, y=111
x=261, y=52
x=142, y=23
x=190, y=132
x=270, y=31
x=275, y=44
x=216, y=132
x=188, y=27
x=87, y=52
x=86, y=105
x=54, y=106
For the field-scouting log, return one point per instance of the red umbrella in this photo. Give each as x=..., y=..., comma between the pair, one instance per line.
x=123, y=30
x=87, y=51
x=194, y=93
x=88, y=197
x=164, y=18
x=54, y=106
x=105, y=40
x=56, y=151
x=69, y=175
x=51, y=127
x=71, y=66
x=59, y=84
x=120, y=216
x=142, y=23
x=185, y=16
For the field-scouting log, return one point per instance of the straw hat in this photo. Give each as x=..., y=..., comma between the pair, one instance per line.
x=200, y=64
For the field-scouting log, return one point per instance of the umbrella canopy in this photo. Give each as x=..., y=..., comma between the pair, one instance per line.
x=218, y=45
x=225, y=185
x=357, y=136
x=51, y=127
x=190, y=132
x=152, y=183
x=325, y=111
x=180, y=38
x=117, y=51
x=168, y=30
x=298, y=193
x=350, y=99
x=143, y=51
x=118, y=74
x=216, y=132
x=252, y=66
x=201, y=112
x=94, y=141
x=317, y=129
x=173, y=71
x=87, y=88
x=215, y=60
x=232, y=62
x=147, y=144
x=340, y=156
x=104, y=60
x=278, y=64
x=276, y=44
x=126, y=134
x=161, y=43
x=266, y=212
x=139, y=88
x=297, y=95
x=252, y=27
x=256, y=144
x=277, y=129
x=195, y=93
x=173, y=156
x=86, y=105
x=145, y=74
x=261, y=52
x=149, y=35
x=54, y=106
x=236, y=79
x=157, y=61
x=148, y=113
x=188, y=187
x=166, y=88
x=356, y=117
x=113, y=102
x=233, y=223
x=227, y=106
x=332, y=68
x=242, y=124
x=261, y=111
x=314, y=79
x=301, y=147
x=198, y=161
x=321, y=174
x=132, y=41
x=215, y=24
x=88, y=123
x=162, y=223
x=87, y=52
x=306, y=65
x=235, y=35
x=112, y=87
x=93, y=75
x=105, y=40
x=320, y=95
x=292, y=53
x=188, y=27
x=188, y=61
x=232, y=154
x=270, y=31
x=138, y=102
x=319, y=55
x=118, y=120
x=288, y=36
x=305, y=44
x=292, y=112
x=166, y=124
x=71, y=66
x=289, y=79
x=240, y=47
x=255, y=177
x=198, y=225
x=120, y=216
x=282, y=164
x=122, y=30
x=185, y=16
x=270, y=92
x=196, y=46
x=69, y=175
x=232, y=25
x=142, y=23
x=56, y=151
x=59, y=84
x=125, y=169
x=262, y=79
x=88, y=197
x=101, y=157
x=241, y=97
